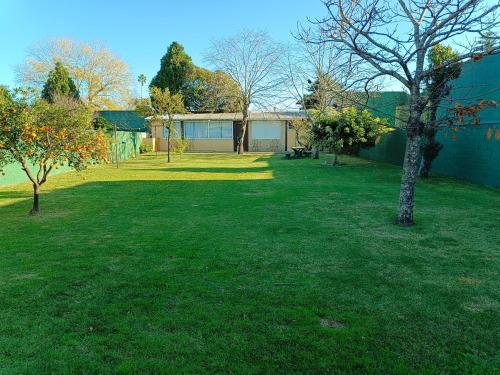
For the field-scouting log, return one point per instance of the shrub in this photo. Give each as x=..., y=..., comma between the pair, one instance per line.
x=347, y=131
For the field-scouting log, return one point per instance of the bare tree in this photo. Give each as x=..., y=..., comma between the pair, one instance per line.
x=251, y=60
x=102, y=79
x=391, y=38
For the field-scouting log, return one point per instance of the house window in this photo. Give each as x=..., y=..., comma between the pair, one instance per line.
x=208, y=129
x=177, y=130
x=266, y=130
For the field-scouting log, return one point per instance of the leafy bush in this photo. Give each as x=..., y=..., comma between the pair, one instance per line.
x=181, y=146
x=347, y=131
x=145, y=148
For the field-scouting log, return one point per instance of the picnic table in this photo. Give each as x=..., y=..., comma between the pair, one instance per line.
x=299, y=151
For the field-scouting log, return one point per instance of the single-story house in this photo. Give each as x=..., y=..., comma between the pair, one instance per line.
x=266, y=132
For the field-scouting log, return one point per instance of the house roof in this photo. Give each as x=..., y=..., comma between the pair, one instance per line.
x=125, y=120
x=254, y=116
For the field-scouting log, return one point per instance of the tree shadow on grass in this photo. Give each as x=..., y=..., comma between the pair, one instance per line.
x=210, y=170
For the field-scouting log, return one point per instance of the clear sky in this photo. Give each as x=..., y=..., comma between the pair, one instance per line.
x=139, y=31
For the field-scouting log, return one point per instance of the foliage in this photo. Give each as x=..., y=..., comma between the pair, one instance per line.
x=59, y=83
x=145, y=148
x=326, y=92
x=176, y=69
x=43, y=136
x=444, y=66
x=346, y=131
x=489, y=39
x=102, y=79
x=142, y=81
x=143, y=107
x=213, y=92
x=100, y=123
x=181, y=145
x=202, y=90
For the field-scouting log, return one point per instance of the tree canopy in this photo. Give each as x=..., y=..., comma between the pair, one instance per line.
x=164, y=105
x=346, y=131
x=102, y=79
x=201, y=89
x=176, y=69
x=59, y=83
x=43, y=136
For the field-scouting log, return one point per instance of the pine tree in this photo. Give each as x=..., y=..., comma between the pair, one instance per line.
x=59, y=83
x=176, y=68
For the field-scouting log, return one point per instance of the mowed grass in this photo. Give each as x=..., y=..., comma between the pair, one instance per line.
x=252, y=264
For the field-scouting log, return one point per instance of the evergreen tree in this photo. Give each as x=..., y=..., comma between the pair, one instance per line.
x=175, y=71
x=59, y=83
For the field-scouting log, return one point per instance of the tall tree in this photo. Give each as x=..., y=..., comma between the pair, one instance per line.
x=43, y=136
x=251, y=59
x=102, y=79
x=165, y=106
x=220, y=94
x=142, y=81
x=59, y=83
x=444, y=66
x=392, y=39
x=176, y=69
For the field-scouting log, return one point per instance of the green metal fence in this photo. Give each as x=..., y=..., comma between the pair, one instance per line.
x=125, y=145
x=472, y=153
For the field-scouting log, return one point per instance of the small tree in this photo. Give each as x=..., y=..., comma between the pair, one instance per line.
x=59, y=83
x=142, y=81
x=43, y=136
x=347, y=131
x=180, y=147
x=165, y=105
x=444, y=66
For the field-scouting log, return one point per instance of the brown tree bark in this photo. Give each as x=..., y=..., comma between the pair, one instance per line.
x=36, y=200
x=409, y=177
x=241, y=137
x=168, y=148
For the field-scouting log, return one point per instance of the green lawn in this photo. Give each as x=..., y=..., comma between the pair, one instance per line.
x=252, y=264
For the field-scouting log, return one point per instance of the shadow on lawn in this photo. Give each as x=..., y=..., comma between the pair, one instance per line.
x=210, y=170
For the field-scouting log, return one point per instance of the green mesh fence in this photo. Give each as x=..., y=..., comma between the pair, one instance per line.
x=126, y=147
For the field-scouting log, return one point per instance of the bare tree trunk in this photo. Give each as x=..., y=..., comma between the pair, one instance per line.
x=408, y=180
x=241, y=137
x=36, y=200
x=168, y=146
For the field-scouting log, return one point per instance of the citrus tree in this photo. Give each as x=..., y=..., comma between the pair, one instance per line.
x=346, y=131
x=43, y=136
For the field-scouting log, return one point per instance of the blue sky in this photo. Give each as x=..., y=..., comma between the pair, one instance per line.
x=139, y=31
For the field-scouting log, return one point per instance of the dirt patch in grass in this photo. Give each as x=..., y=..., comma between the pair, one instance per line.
x=331, y=323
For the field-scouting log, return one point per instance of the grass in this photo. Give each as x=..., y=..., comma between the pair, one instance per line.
x=249, y=264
